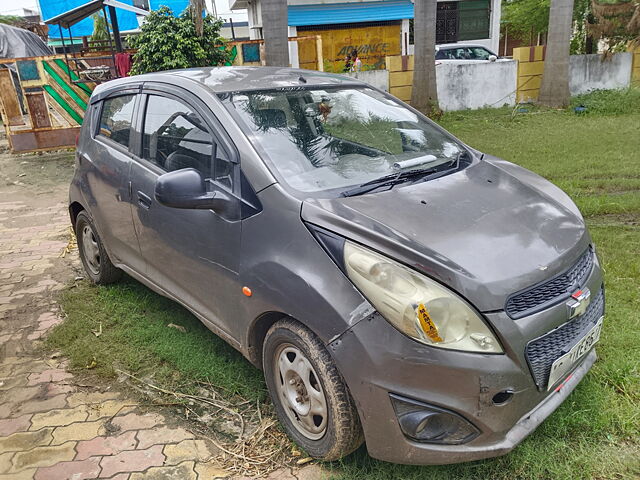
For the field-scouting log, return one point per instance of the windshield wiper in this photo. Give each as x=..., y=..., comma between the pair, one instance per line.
x=401, y=177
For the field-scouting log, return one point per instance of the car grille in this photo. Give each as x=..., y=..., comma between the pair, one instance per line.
x=544, y=350
x=550, y=292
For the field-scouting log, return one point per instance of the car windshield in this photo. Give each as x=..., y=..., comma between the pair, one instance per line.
x=321, y=139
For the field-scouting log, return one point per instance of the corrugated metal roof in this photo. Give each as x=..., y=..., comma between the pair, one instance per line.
x=126, y=20
x=329, y=13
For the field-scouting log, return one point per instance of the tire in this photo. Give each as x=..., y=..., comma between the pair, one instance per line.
x=300, y=375
x=94, y=257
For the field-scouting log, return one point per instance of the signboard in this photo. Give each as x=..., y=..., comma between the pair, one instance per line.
x=372, y=42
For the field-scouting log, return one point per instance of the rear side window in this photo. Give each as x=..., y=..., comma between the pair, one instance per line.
x=177, y=137
x=115, y=118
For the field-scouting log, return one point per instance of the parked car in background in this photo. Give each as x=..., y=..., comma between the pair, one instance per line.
x=458, y=51
x=395, y=285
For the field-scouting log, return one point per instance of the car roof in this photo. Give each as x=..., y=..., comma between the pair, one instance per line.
x=233, y=79
x=447, y=46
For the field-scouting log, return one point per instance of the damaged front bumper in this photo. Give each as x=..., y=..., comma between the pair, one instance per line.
x=380, y=365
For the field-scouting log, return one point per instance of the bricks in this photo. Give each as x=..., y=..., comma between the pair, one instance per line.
x=38, y=405
x=48, y=429
x=76, y=431
x=84, y=398
x=25, y=440
x=109, y=409
x=77, y=470
x=61, y=417
x=52, y=375
x=184, y=471
x=106, y=445
x=132, y=461
x=135, y=421
x=13, y=425
x=210, y=470
x=43, y=456
x=188, y=450
x=147, y=438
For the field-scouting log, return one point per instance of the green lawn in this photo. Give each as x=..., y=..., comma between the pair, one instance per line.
x=595, y=157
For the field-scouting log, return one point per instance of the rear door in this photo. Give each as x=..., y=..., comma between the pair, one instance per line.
x=105, y=157
x=192, y=254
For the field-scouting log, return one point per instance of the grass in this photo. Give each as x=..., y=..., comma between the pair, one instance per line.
x=593, y=156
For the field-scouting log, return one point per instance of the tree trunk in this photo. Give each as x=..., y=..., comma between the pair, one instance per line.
x=196, y=8
x=275, y=32
x=424, y=95
x=554, y=91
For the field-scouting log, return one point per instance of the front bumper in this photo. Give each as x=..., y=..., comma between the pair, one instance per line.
x=376, y=360
x=466, y=391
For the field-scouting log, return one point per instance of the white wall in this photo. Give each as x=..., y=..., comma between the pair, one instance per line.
x=377, y=78
x=477, y=84
x=591, y=72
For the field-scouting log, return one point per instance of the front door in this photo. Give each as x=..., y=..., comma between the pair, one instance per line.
x=191, y=254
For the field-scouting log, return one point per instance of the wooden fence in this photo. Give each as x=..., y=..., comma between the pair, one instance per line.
x=43, y=103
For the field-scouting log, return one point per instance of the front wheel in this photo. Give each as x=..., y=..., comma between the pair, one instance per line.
x=311, y=399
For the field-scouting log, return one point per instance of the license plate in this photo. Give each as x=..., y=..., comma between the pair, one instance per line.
x=566, y=362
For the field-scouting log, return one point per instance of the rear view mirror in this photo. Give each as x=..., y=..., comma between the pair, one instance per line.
x=492, y=58
x=187, y=188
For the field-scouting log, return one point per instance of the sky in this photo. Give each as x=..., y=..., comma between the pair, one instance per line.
x=9, y=7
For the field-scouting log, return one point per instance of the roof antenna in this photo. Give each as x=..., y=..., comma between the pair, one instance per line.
x=302, y=79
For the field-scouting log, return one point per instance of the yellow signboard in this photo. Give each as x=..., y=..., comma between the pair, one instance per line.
x=373, y=43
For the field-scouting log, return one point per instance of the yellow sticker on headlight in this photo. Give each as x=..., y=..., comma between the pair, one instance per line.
x=428, y=327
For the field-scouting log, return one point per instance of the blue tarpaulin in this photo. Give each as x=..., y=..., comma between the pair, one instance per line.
x=126, y=20
x=329, y=13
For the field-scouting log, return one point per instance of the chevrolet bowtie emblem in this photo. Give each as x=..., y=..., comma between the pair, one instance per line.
x=579, y=302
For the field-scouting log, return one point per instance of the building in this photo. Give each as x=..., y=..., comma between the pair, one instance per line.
x=377, y=28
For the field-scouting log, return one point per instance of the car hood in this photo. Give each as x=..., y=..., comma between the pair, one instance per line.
x=486, y=231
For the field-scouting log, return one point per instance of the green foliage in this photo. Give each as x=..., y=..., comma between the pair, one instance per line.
x=100, y=28
x=609, y=102
x=167, y=42
x=526, y=19
x=11, y=19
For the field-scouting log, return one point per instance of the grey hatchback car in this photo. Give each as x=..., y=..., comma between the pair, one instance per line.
x=396, y=286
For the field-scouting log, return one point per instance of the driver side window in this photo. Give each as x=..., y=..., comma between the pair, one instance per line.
x=176, y=137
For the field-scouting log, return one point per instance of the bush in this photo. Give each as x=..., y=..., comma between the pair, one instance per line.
x=609, y=102
x=167, y=42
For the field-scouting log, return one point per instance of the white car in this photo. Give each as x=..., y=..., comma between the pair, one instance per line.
x=467, y=51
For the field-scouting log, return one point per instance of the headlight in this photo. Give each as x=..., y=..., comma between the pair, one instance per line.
x=416, y=305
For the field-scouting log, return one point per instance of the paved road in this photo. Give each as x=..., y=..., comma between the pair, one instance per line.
x=51, y=427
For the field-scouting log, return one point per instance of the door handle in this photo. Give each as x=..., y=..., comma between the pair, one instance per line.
x=143, y=200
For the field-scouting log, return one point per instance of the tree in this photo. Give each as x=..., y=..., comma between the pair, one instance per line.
x=275, y=31
x=11, y=20
x=100, y=28
x=196, y=7
x=424, y=95
x=166, y=42
x=528, y=20
x=616, y=21
x=554, y=91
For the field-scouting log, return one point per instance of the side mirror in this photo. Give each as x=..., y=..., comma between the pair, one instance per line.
x=492, y=58
x=187, y=188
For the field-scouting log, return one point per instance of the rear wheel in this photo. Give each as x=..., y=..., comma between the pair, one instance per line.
x=94, y=257
x=311, y=398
